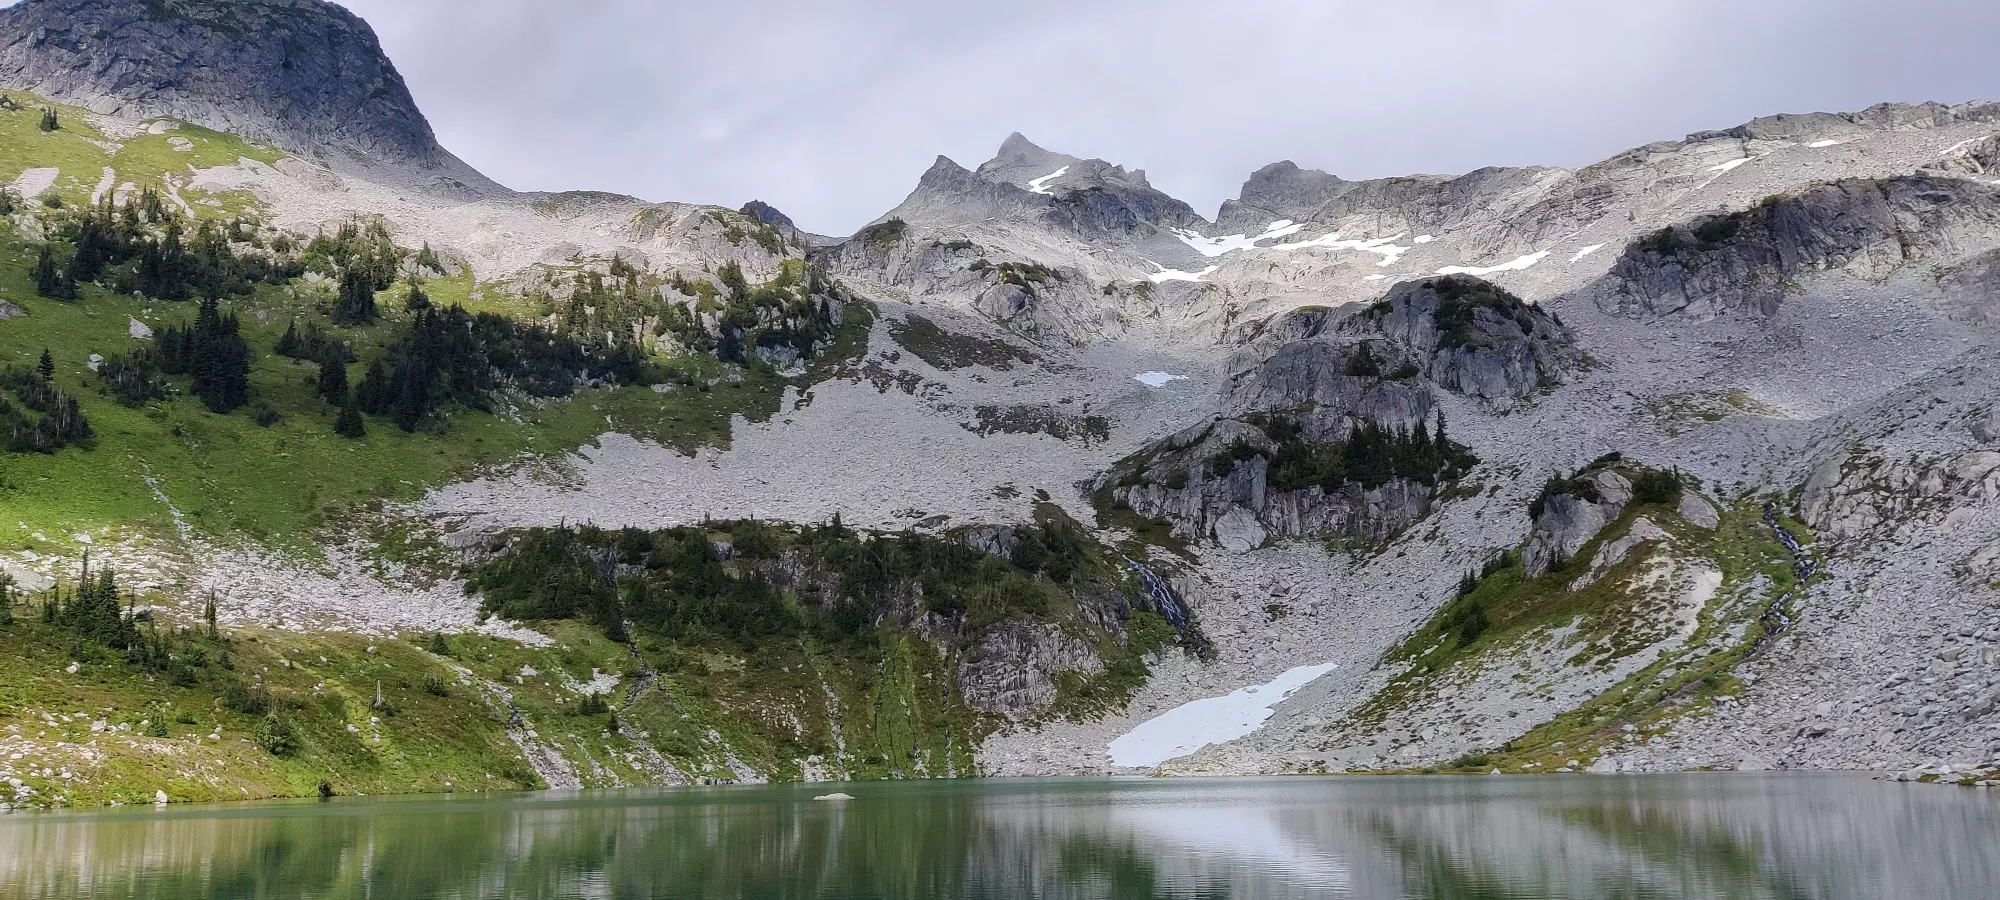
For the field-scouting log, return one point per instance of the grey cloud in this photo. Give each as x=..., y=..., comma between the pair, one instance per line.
x=830, y=110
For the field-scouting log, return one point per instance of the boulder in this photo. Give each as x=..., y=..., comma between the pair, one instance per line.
x=1696, y=510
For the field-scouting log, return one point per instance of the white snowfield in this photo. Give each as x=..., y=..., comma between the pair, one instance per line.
x=1516, y=265
x=1580, y=254
x=1041, y=185
x=1165, y=274
x=1157, y=379
x=1724, y=167
x=1216, y=720
x=1213, y=247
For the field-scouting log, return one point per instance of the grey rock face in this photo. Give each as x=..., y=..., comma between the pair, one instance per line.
x=1739, y=263
x=1569, y=520
x=1978, y=158
x=1101, y=196
x=1473, y=338
x=1313, y=374
x=1282, y=190
x=1093, y=199
x=1985, y=427
x=306, y=75
x=1015, y=669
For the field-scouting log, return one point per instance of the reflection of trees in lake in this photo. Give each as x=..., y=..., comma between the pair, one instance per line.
x=1501, y=839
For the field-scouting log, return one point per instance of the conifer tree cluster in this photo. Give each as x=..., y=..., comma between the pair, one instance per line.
x=677, y=584
x=1370, y=456
x=356, y=305
x=52, y=279
x=61, y=421
x=50, y=120
x=142, y=246
x=94, y=610
x=312, y=345
x=133, y=378
x=214, y=353
x=799, y=308
x=449, y=357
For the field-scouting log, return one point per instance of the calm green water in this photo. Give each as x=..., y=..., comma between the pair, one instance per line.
x=1749, y=836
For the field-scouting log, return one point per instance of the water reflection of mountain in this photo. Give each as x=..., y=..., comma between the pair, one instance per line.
x=1750, y=837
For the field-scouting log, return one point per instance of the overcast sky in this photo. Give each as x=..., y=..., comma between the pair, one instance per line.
x=830, y=109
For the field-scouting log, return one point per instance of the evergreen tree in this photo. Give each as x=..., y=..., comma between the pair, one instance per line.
x=333, y=381
x=212, y=351
x=349, y=423
x=51, y=280
x=417, y=299
x=47, y=366
x=50, y=121
x=6, y=599
x=288, y=345
x=1363, y=363
x=356, y=305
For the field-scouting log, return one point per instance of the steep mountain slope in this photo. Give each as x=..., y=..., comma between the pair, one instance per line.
x=307, y=75
x=1682, y=459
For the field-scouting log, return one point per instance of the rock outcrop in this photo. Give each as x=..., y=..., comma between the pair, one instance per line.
x=1570, y=513
x=1416, y=203
x=1740, y=263
x=305, y=75
x=1472, y=338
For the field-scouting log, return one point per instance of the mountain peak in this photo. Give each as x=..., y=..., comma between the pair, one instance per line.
x=1017, y=148
x=306, y=75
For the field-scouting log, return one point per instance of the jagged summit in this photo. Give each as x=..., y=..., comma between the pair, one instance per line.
x=1022, y=162
x=306, y=75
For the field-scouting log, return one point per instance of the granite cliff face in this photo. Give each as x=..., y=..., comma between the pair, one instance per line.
x=305, y=75
x=1742, y=262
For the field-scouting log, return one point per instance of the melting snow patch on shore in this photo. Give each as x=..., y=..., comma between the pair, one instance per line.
x=1215, y=720
x=1515, y=265
x=1158, y=379
x=1041, y=185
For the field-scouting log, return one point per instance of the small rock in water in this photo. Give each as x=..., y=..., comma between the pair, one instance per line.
x=159, y=798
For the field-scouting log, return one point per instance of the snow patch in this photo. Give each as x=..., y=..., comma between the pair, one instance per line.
x=1580, y=254
x=1215, y=720
x=1041, y=185
x=1165, y=274
x=1426, y=238
x=1157, y=379
x=1213, y=247
x=1821, y=145
x=1729, y=165
x=1375, y=278
x=1515, y=265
